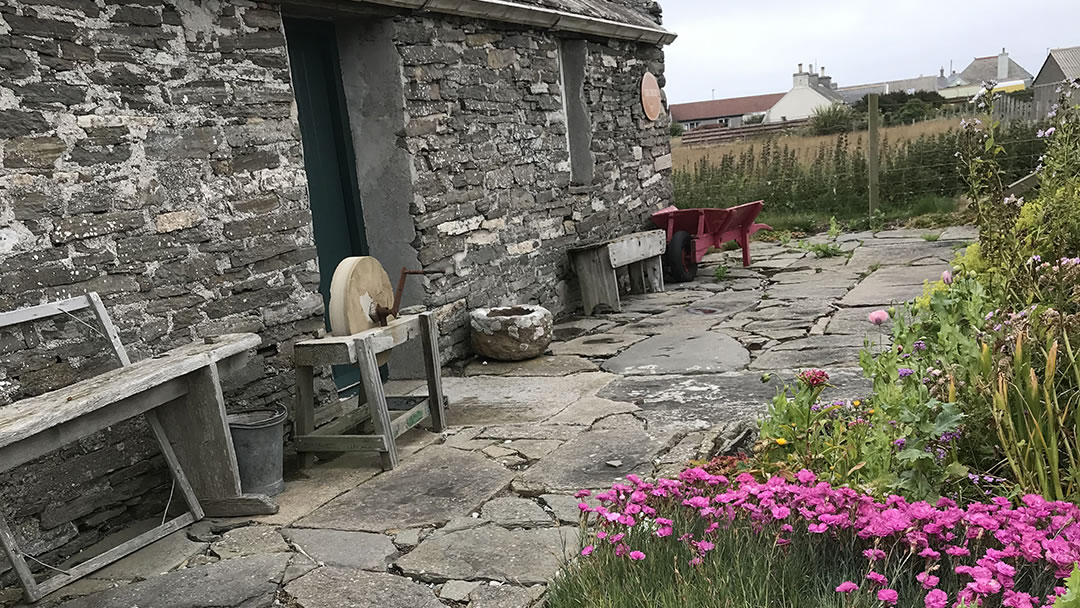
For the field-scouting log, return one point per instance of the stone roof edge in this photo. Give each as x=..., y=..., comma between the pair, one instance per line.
x=535, y=16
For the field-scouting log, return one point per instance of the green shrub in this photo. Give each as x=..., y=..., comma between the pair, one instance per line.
x=829, y=120
x=676, y=129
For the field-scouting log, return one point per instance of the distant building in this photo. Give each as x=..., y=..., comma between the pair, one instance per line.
x=1060, y=65
x=729, y=112
x=809, y=91
x=1000, y=68
x=854, y=93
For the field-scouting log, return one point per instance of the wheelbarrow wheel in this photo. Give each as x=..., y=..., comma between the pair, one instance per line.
x=679, y=258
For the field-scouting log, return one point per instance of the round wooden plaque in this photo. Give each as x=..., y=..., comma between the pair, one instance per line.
x=650, y=96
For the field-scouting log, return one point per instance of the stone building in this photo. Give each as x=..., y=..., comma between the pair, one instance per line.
x=204, y=164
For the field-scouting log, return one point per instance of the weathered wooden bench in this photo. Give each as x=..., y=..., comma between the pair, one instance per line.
x=391, y=416
x=596, y=267
x=178, y=392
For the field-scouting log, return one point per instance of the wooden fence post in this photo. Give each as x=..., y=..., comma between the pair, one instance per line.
x=873, y=156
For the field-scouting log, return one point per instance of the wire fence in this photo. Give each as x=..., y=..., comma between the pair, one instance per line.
x=835, y=178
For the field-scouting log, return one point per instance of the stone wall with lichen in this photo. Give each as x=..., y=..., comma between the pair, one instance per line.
x=486, y=126
x=148, y=152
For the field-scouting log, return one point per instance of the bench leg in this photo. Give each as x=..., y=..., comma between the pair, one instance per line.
x=599, y=286
x=637, y=277
x=18, y=562
x=304, y=415
x=376, y=400
x=177, y=471
x=654, y=274
x=433, y=366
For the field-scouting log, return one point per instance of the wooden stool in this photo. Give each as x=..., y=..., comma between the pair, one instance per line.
x=391, y=415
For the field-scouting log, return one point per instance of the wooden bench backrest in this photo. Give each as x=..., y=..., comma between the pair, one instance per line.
x=66, y=307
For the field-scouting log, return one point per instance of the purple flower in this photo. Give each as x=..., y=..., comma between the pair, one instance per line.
x=900, y=443
x=919, y=345
x=904, y=372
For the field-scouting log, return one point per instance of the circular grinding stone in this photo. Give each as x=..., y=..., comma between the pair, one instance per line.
x=359, y=285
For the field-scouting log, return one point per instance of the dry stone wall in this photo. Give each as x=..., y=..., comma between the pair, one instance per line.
x=148, y=151
x=486, y=127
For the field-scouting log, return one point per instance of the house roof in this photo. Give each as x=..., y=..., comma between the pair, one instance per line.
x=717, y=108
x=983, y=69
x=1068, y=59
x=637, y=20
x=856, y=92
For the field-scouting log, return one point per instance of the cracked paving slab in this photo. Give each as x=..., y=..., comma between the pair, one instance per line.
x=594, y=459
x=700, y=402
x=685, y=353
x=434, y=486
x=491, y=552
x=484, y=400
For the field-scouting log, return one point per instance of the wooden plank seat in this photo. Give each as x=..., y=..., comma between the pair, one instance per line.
x=178, y=392
x=391, y=416
x=596, y=266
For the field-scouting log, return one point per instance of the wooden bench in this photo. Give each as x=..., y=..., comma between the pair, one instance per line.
x=179, y=394
x=596, y=267
x=391, y=416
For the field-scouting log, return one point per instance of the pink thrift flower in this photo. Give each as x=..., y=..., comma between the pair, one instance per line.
x=878, y=317
x=874, y=554
x=584, y=507
x=929, y=553
x=582, y=493
x=696, y=561
x=877, y=577
x=806, y=476
x=663, y=531
x=587, y=550
x=637, y=556
x=846, y=587
x=621, y=550
x=601, y=535
x=929, y=581
x=818, y=528
x=957, y=551
x=936, y=599
x=887, y=595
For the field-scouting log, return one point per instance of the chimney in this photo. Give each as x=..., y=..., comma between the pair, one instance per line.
x=799, y=70
x=941, y=73
x=825, y=81
x=1003, y=66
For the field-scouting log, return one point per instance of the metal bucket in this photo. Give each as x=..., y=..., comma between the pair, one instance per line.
x=257, y=436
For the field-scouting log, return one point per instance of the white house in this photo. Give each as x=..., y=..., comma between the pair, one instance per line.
x=809, y=91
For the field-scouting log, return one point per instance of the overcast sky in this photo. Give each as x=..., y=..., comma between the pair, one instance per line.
x=752, y=47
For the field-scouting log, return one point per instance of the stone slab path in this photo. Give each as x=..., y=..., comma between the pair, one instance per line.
x=483, y=515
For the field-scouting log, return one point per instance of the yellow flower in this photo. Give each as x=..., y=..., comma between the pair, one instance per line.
x=781, y=441
x=856, y=403
x=870, y=411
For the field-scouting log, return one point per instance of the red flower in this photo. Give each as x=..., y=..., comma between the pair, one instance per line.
x=814, y=377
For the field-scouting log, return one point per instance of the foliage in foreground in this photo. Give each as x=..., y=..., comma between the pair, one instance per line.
x=706, y=541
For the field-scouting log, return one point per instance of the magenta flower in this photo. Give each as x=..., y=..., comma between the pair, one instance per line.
x=929, y=581
x=877, y=577
x=637, y=556
x=878, y=317
x=874, y=554
x=946, y=277
x=846, y=587
x=587, y=550
x=806, y=476
x=887, y=595
x=936, y=599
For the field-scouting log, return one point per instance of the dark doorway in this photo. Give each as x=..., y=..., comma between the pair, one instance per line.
x=336, y=213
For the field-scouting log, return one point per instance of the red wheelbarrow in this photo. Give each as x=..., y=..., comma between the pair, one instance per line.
x=692, y=232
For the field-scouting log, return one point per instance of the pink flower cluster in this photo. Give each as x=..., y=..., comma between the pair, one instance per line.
x=990, y=553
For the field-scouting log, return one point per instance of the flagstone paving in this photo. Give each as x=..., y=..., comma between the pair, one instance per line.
x=482, y=516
